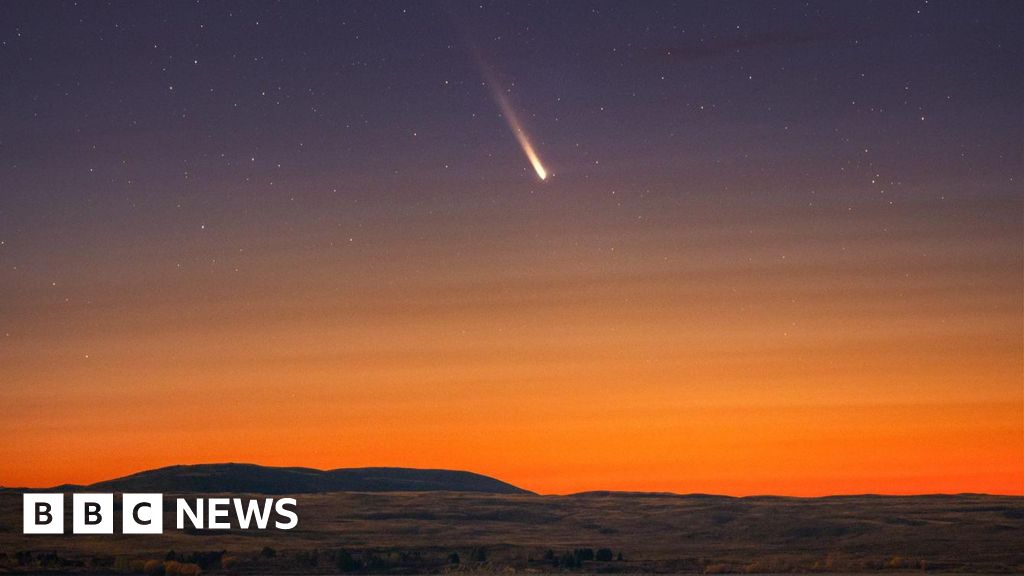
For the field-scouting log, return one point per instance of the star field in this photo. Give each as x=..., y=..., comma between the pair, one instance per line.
x=779, y=237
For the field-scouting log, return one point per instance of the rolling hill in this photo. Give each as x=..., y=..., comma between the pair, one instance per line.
x=251, y=478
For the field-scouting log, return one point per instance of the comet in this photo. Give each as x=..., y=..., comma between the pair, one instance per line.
x=513, y=123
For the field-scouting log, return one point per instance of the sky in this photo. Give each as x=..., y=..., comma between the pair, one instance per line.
x=778, y=248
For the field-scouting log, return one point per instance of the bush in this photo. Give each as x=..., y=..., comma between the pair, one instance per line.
x=205, y=560
x=604, y=555
x=345, y=562
x=375, y=563
x=153, y=568
x=186, y=569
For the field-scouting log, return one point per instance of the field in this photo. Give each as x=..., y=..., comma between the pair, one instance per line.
x=434, y=532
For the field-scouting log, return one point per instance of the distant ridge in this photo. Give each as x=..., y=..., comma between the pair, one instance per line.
x=252, y=478
x=644, y=494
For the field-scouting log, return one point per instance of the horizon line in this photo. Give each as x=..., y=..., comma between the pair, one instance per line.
x=531, y=492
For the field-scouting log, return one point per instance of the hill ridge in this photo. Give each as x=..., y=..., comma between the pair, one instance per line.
x=259, y=479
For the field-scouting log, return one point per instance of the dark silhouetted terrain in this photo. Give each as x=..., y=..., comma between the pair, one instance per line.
x=431, y=532
x=250, y=478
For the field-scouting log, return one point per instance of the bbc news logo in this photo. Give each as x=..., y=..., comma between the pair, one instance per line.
x=144, y=513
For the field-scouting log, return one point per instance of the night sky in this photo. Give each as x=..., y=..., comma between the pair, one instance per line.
x=778, y=249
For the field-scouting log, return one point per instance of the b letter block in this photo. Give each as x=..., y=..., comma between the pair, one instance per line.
x=42, y=513
x=92, y=513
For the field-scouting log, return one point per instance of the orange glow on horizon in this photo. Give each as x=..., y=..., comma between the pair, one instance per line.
x=553, y=377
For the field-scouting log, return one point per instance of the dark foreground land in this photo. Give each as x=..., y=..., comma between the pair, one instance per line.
x=432, y=532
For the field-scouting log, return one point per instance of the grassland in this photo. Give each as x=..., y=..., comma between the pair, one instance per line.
x=427, y=532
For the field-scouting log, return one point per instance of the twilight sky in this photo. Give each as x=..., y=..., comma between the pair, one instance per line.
x=779, y=250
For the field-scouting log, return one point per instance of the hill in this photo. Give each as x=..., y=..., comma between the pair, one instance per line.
x=251, y=478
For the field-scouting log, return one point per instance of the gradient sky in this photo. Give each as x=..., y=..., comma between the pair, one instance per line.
x=780, y=250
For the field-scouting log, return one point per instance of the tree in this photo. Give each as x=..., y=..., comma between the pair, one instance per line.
x=604, y=555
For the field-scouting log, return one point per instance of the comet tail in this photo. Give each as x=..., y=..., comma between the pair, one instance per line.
x=513, y=120
x=517, y=129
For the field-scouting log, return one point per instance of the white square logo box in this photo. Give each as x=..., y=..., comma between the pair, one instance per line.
x=142, y=513
x=92, y=513
x=42, y=513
